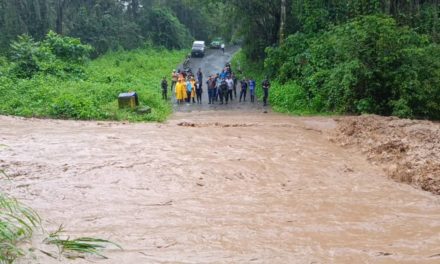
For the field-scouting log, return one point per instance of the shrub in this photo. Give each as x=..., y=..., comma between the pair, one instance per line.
x=55, y=55
x=368, y=65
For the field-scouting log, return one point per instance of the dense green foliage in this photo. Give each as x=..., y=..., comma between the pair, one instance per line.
x=357, y=56
x=110, y=25
x=369, y=65
x=261, y=21
x=54, y=55
x=361, y=56
x=60, y=83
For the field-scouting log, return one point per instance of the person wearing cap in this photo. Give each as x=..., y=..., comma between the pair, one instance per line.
x=174, y=79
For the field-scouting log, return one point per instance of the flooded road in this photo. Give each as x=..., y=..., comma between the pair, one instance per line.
x=216, y=184
x=217, y=187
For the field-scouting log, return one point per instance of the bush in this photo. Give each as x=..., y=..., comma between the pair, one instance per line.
x=94, y=97
x=55, y=55
x=368, y=65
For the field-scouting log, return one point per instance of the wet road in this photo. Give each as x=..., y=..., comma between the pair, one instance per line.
x=213, y=62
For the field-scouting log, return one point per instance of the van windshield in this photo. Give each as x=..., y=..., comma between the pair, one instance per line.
x=198, y=46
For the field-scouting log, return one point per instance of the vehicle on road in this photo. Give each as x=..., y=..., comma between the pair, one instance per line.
x=198, y=49
x=216, y=43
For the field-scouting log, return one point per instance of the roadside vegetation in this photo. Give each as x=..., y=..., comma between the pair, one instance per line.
x=364, y=56
x=367, y=65
x=55, y=78
x=285, y=97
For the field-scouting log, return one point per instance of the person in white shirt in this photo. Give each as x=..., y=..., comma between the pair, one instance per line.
x=230, y=84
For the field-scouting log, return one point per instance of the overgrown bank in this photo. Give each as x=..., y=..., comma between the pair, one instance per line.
x=53, y=78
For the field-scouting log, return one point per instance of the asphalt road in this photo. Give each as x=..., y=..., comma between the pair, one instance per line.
x=212, y=63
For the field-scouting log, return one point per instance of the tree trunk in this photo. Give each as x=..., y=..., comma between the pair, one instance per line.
x=60, y=15
x=283, y=21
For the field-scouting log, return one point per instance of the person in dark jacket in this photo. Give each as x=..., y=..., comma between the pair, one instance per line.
x=266, y=86
x=244, y=86
x=164, y=86
x=210, y=85
x=199, y=92
x=252, y=85
x=224, y=92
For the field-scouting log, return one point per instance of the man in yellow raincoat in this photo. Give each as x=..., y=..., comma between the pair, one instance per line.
x=181, y=91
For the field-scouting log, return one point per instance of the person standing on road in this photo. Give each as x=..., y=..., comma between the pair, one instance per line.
x=199, y=91
x=266, y=86
x=174, y=79
x=211, y=89
x=180, y=91
x=224, y=92
x=193, y=89
x=217, y=81
x=164, y=85
x=234, y=78
x=199, y=76
x=244, y=86
x=188, y=91
x=252, y=85
x=222, y=47
x=230, y=84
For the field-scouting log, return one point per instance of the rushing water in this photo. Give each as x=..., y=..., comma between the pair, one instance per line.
x=217, y=187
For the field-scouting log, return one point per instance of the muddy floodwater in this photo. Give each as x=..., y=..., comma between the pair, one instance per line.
x=217, y=187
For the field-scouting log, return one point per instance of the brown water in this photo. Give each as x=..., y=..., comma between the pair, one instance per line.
x=217, y=187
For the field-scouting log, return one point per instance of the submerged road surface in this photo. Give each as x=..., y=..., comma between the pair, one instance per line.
x=216, y=187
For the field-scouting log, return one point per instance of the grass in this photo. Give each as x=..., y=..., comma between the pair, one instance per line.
x=17, y=224
x=78, y=247
x=93, y=95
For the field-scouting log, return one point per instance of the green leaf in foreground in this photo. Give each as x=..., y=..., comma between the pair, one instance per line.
x=78, y=247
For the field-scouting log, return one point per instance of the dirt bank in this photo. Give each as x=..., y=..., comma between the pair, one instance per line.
x=217, y=187
x=408, y=150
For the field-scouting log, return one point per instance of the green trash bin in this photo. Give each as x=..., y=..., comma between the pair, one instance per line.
x=128, y=100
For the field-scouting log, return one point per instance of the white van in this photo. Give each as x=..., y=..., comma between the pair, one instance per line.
x=198, y=48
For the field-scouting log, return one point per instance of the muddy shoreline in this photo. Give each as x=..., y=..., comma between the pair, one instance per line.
x=407, y=150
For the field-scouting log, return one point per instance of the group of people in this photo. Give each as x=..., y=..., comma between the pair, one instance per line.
x=222, y=87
